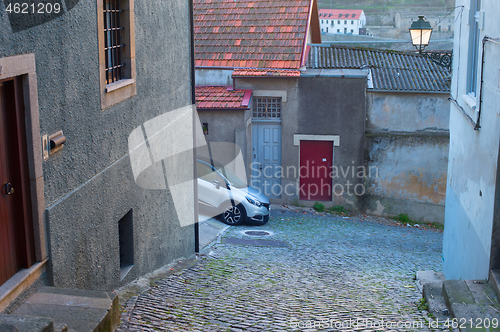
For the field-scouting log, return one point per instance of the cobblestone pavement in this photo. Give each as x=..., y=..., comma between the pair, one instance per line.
x=332, y=271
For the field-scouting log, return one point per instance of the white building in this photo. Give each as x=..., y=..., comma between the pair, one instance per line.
x=471, y=243
x=344, y=21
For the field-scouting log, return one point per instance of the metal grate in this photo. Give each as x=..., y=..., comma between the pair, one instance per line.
x=113, y=46
x=267, y=108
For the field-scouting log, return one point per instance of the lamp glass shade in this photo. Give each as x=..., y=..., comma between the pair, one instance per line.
x=420, y=32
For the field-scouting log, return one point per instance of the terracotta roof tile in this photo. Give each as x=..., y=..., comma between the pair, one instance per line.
x=222, y=97
x=259, y=33
x=265, y=72
x=340, y=14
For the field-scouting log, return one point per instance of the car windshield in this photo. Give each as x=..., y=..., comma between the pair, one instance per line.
x=233, y=179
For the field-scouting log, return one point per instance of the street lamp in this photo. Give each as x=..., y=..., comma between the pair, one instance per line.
x=420, y=32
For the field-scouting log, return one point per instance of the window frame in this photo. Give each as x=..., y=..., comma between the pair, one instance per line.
x=474, y=49
x=268, y=100
x=118, y=91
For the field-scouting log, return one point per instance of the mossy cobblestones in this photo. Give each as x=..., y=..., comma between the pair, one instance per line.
x=335, y=271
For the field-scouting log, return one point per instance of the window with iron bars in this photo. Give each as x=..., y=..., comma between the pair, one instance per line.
x=113, y=41
x=267, y=108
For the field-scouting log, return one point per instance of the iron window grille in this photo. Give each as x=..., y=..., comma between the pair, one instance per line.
x=267, y=108
x=113, y=41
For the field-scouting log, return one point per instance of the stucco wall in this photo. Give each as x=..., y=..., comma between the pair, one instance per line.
x=473, y=167
x=89, y=184
x=408, y=176
x=326, y=109
x=226, y=126
x=407, y=143
x=407, y=112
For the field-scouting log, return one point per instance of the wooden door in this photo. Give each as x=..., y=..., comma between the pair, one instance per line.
x=316, y=159
x=266, y=159
x=16, y=226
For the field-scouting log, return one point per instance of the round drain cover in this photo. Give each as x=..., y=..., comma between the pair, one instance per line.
x=256, y=233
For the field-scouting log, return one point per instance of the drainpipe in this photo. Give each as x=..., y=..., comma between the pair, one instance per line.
x=193, y=102
x=495, y=41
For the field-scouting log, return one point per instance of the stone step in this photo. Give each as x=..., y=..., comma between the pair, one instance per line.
x=13, y=323
x=433, y=295
x=79, y=310
x=494, y=281
x=473, y=303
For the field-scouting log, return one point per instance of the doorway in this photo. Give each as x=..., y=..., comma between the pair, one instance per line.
x=316, y=160
x=17, y=249
x=266, y=158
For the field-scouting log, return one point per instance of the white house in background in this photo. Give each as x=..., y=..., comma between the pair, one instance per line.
x=471, y=242
x=345, y=21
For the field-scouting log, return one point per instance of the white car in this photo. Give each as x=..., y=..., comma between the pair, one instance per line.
x=222, y=193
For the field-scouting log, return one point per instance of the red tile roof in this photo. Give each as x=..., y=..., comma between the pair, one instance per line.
x=252, y=33
x=340, y=14
x=222, y=97
x=265, y=72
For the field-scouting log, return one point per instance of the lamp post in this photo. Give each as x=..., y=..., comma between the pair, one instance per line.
x=420, y=32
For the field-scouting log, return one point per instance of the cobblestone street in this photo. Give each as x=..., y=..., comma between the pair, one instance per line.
x=320, y=273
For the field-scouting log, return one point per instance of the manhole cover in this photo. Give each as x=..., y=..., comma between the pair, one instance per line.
x=255, y=242
x=256, y=233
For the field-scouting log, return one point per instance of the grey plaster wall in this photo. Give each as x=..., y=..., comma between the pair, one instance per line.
x=408, y=175
x=225, y=126
x=407, y=143
x=335, y=106
x=407, y=112
x=89, y=184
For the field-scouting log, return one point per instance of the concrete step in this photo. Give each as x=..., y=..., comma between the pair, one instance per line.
x=494, y=281
x=473, y=303
x=13, y=323
x=78, y=310
x=433, y=295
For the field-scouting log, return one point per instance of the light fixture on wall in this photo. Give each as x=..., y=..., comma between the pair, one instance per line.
x=420, y=32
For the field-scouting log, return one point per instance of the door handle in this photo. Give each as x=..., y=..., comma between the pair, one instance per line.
x=8, y=189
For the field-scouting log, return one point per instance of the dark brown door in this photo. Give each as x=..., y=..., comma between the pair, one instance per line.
x=16, y=226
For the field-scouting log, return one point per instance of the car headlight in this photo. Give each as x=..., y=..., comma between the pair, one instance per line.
x=253, y=201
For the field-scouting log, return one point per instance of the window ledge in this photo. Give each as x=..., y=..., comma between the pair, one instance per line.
x=470, y=101
x=119, y=84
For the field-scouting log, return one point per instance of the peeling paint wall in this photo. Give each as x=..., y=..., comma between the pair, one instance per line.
x=407, y=169
x=406, y=147
x=407, y=112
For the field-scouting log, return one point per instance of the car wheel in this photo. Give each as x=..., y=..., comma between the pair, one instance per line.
x=234, y=215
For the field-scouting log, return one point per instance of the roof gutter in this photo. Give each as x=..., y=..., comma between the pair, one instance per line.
x=410, y=91
x=212, y=67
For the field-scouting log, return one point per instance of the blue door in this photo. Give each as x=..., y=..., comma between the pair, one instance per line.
x=266, y=158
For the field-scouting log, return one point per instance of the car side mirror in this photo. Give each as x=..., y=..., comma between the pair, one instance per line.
x=216, y=183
